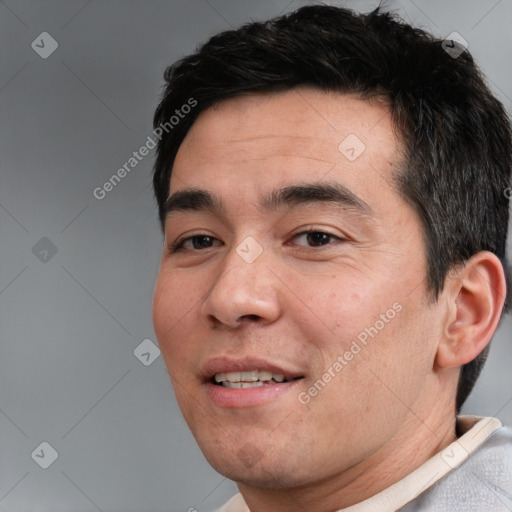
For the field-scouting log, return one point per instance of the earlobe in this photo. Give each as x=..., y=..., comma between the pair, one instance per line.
x=475, y=295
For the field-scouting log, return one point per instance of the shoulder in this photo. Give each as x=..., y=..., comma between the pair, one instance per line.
x=482, y=482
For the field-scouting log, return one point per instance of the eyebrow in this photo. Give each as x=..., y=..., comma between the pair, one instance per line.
x=301, y=194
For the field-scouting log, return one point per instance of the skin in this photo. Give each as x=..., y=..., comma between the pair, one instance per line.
x=301, y=304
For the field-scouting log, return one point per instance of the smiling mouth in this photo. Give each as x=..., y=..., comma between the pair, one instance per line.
x=249, y=379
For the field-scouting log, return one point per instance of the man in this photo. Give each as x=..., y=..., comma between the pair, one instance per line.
x=335, y=208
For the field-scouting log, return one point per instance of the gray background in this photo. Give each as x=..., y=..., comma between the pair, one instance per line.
x=70, y=325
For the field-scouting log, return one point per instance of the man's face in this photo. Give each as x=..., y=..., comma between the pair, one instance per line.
x=253, y=291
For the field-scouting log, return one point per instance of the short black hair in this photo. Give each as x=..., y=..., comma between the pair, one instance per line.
x=457, y=139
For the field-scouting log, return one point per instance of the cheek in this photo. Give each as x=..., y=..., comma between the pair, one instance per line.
x=335, y=301
x=401, y=358
x=375, y=335
x=349, y=308
x=172, y=302
x=163, y=309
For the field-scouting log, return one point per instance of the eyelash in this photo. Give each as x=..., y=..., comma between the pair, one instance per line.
x=178, y=245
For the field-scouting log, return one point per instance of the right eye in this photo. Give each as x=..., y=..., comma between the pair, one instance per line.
x=198, y=242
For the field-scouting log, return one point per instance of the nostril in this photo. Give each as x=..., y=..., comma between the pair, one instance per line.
x=250, y=317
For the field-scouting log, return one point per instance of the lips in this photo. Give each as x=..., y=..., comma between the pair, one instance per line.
x=230, y=383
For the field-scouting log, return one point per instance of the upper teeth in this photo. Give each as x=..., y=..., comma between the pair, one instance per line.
x=250, y=376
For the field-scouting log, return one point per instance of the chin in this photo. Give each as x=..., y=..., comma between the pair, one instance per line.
x=260, y=476
x=248, y=465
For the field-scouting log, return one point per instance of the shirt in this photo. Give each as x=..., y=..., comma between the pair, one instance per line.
x=472, y=474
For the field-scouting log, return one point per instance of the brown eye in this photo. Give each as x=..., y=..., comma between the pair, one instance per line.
x=317, y=238
x=198, y=242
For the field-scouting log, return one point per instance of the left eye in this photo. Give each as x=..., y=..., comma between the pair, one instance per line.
x=317, y=238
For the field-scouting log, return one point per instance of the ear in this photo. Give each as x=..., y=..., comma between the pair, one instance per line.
x=475, y=294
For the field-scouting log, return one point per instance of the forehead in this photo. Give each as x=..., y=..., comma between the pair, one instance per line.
x=259, y=141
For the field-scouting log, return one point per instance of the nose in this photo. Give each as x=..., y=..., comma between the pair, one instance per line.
x=243, y=292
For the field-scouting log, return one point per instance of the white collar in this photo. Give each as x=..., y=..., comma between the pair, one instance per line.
x=476, y=431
